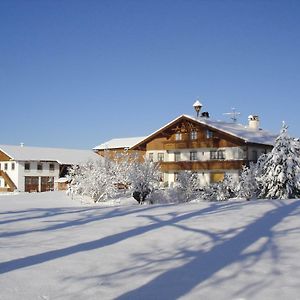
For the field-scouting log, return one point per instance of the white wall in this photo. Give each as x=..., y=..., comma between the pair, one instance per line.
x=18, y=174
x=203, y=154
x=35, y=172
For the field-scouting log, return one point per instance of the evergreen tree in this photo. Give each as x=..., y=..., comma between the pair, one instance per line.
x=188, y=184
x=247, y=186
x=280, y=173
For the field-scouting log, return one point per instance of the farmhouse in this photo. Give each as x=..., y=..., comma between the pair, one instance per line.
x=37, y=169
x=207, y=147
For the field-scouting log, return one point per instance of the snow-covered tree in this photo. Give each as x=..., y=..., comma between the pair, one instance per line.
x=247, y=186
x=144, y=178
x=95, y=179
x=124, y=163
x=188, y=184
x=280, y=172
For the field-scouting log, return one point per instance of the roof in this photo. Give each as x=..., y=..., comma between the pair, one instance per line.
x=119, y=143
x=243, y=132
x=62, y=156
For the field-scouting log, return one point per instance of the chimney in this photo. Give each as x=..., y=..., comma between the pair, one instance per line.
x=253, y=122
x=205, y=114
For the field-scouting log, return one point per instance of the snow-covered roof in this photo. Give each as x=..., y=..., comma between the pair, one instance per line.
x=119, y=143
x=62, y=156
x=243, y=132
x=256, y=136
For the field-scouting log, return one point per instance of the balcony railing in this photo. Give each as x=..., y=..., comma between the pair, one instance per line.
x=186, y=144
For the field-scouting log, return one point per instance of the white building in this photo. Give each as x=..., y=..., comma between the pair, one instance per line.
x=37, y=169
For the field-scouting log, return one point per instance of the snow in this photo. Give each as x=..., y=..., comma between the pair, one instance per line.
x=53, y=247
x=120, y=143
x=62, y=156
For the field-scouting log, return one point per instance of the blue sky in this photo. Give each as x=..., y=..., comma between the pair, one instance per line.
x=77, y=73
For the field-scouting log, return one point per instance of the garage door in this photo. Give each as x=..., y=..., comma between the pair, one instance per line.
x=31, y=184
x=47, y=184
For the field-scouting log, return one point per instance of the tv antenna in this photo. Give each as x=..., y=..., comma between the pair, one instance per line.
x=233, y=115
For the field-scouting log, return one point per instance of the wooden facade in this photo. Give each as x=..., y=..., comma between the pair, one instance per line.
x=202, y=165
x=167, y=138
x=4, y=157
x=115, y=154
x=10, y=184
x=185, y=135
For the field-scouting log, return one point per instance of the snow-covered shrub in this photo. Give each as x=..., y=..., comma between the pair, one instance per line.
x=188, y=185
x=219, y=191
x=280, y=173
x=144, y=178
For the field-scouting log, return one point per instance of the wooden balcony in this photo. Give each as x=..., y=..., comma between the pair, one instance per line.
x=188, y=144
x=202, y=165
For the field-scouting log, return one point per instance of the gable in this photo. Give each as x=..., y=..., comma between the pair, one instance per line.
x=205, y=136
x=4, y=156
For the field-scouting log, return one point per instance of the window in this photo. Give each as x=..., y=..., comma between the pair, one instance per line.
x=160, y=156
x=150, y=156
x=175, y=176
x=209, y=134
x=40, y=167
x=27, y=166
x=178, y=136
x=161, y=176
x=254, y=155
x=177, y=156
x=51, y=167
x=193, y=135
x=221, y=154
x=12, y=166
x=213, y=154
x=5, y=166
x=193, y=155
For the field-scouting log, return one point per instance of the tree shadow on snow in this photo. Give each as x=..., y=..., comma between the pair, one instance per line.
x=87, y=215
x=109, y=240
x=179, y=281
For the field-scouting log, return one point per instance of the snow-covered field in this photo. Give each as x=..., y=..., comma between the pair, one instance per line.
x=56, y=248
